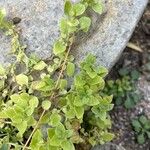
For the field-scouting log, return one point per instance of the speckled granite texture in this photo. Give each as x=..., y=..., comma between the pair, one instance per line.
x=39, y=28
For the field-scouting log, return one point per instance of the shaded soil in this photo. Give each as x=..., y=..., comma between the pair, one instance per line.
x=132, y=59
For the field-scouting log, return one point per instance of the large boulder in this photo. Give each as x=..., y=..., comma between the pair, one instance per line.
x=40, y=20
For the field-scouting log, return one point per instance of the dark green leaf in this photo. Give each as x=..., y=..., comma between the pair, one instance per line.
x=135, y=75
x=136, y=124
x=141, y=139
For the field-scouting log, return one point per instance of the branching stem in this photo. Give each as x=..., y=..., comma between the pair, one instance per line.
x=56, y=85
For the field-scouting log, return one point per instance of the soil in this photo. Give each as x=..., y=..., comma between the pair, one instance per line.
x=131, y=58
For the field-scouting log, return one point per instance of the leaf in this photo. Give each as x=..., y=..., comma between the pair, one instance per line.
x=38, y=85
x=2, y=16
x=70, y=114
x=55, y=141
x=67, y=8
x=70, y=69
x=78, y=101
x=40, y=65
x=2, y=70
x=34, y=102
x=97, y=80
x=91, y=72
x=37, y=140
x=141, y=139
x=135, y=75
x=63, y=84
x=79, y=112
x=64, y=26
x=46, y=104
x=51, y=133
x=143, y=119
x=107, y=137
x=79, y=82
x=136, y=124
x=102, y=71
x=67, y=145
x=98, y=8
x=147, y=125
x=21, y=127
x=78, y=9
x=55, y=119
x=123, y=71
x=93, y=101
x=22, y=79
x=148, y=134
x=59, y=48
x=4, y=147
x=60, y=132
x=129, y=103
x=85, y=23
x=15, y=98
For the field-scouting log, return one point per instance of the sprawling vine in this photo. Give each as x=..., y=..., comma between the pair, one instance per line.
x=38, y=110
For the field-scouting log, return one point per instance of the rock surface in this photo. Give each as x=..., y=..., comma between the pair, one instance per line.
x=39, y=28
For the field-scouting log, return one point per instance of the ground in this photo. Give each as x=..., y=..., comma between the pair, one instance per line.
x=141, y=61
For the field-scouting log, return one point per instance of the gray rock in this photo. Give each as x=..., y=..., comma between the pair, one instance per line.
x=39, y=28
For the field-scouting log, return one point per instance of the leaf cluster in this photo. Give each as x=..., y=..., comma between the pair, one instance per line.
x=124, y=88
x=141, y=126
x=37, y=109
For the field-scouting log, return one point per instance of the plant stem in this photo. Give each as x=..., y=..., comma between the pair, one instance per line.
x=56, y=85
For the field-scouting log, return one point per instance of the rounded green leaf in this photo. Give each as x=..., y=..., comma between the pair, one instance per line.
x=34, y=102
x=136, y=124
x=79, y=112
x=67, y=145
x=22, y=79
x=79, y=9
x=98, y=8
x=143, y=119
x=46, y=104
x=107, y=137
x=141, y=139
x=68, y=8
x=85, y=23
x=63, y=84
x=55, y=119
x=59, y=48
x=40, y=66
x=70, y=69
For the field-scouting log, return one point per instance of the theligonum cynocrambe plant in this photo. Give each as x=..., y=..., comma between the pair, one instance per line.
x=39, y=96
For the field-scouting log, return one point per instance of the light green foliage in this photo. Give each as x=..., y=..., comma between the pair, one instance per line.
x=40, y=65
x=141, y=126
x=124, y=88
x=22, y=79
x=3, y=23
x=70, y=69
x=46, y=104
x=38, y=97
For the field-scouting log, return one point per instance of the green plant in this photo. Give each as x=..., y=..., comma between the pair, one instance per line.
x=124, y=89
x=141, y=126
x=37, y=110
